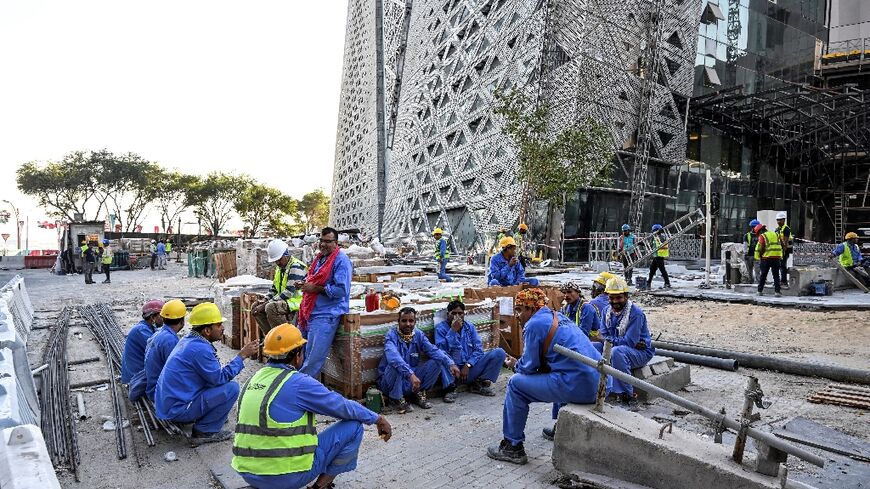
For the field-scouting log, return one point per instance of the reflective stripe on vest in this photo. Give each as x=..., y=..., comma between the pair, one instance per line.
x=280, y=284
x=772, y=247
x=846, y=256
x=263, y=446
x=779, y=233
x=438, y=249
x=576, y=316
x=663, y=249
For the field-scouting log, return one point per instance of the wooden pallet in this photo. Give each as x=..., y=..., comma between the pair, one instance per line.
x=843, y=395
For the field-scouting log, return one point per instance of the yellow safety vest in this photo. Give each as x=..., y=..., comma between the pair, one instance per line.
x=786, y=243
x=772, y=246
x=846, y=256
x=280, y=283
x=663, y=248
x=107, y=256
x=438, y=249
x=263, y=446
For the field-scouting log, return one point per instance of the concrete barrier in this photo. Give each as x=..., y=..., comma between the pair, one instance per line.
x=14, y=294
x=24, y=460
x=11, y=262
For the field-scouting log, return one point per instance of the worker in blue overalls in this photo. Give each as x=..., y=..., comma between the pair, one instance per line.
x=542, y=374
x=600, y=302
x=133, y=358
x=442, y=254
x=161, y=343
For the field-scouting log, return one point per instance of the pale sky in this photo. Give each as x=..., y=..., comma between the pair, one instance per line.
x=195, y=85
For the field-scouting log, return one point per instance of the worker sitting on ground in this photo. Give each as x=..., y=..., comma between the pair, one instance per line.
x=402, y=373
x=276, y=445
x=600, y=302
x=325, y=298
x=626, y=329
x=626, y=249
x=442, y=254
x=505, y=268
x=769, y=252
x=849, y=256
x=458, y=338
x=542, y=374
x=751, y=241
x=282, y=306
x=193, y=387
x=663, y=252
x=133, y=358
x=786, y=240
x=582, y=314
x=161, y=343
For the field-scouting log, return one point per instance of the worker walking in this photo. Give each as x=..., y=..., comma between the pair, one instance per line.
x=276, y=445
x=106, y=259
x=161, y=255
x=153, y=249
x=626, y=248
x=193, y=387
x=505, y=268
x=325, y=298
x=542, y=375
x=442, y=254
x=849, y=255
x=283, y=304
x=786, y=240
x=162, y=342
x=751, y=241
x=133, y=357
x=662, y=253
x=769, y=252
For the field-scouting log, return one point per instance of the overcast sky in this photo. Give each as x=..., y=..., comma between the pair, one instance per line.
x=195, y=85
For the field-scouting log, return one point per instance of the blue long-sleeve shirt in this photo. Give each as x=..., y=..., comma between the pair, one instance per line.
x=500, y=269
x=159, y=346
x=600, y=303
x=335, y=299
x=535, y=332
x=161, y=249
x=583, y=316
x=133, y=358
x=191, y=368
x=405, y=356
x=856, y=252
x=462, y=347
x=442, y=249
x=636, y=330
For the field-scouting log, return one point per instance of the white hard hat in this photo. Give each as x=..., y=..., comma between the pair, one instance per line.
x=780, y=215
x=276, y=250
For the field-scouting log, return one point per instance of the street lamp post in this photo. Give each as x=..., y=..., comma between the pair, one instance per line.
x=17, y=224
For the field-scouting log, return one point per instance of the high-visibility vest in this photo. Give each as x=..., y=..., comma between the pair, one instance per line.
x=772, y=246
x=168, y=246
x=846, y=256
x=438, y=249
x=751, y=242
x=280, y=283
x=84, y=249
x=107, y=256
x=786, y=243
x=663, y=250
x=263, y=446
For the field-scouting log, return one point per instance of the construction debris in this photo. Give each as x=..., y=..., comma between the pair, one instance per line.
x=843, y=395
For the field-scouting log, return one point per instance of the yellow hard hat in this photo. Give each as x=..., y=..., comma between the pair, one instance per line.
x=524, y=226
x=282, y=339
x=616, y=285
x=851, y=235
x=437, y=231
x=205, y=314
x=173, y=309
x=603, y=277
x=506, y=241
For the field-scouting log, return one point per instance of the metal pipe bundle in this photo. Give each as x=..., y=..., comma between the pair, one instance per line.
x=721, y=363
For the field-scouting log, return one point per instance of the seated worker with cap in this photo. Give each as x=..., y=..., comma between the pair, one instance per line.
x=161, y=343
x=505, y=268
x=458, y=338
x=626, y=328
x=283, y=304
x=276, y=445
x=193, y=387
x=583, y=314
x=849, y=255
x=133, y=358
x=600, y=301
x=401, y=371
x=542, y=374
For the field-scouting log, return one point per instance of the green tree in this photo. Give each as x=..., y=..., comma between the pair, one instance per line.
x=314, y=210
x=63, y=188
x=212, y=198
x=169, y=191
x=123, y=184
x=259, y=205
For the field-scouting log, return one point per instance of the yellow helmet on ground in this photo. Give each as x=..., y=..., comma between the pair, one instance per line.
x=851, y=235
x=524, y=226
x=390, y=302
x=173, y=309
x=205, y=314
x=506, y=241
x=438, y=231
x=282, y=339
x=616, y=285
x=603, y=277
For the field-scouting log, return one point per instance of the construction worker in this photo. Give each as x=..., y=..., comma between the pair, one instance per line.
x=89, y=262
x=162, y=342
x=193, y=387
x=84, y=247
x=626, y=248
x=458, y=338
x=283, y=304
x=442, y=254
x=786, y=240
x=133, y=358
x=505, y=268
x=625, y=327
x=161, y=255
x=600, y=302
x=401, y=371
x=769, y=252
x=522, y=244
x=326, y=297
x=542, y=375
x=153, y=249
x=662, y=253
x=276, y=445
x=581, y=313
x=751, y=241
x=850, y=257
x=106, y=258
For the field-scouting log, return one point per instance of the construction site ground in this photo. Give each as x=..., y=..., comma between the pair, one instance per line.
x=445, y=446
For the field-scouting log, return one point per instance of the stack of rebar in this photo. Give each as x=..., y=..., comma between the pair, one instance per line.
x=57, y=423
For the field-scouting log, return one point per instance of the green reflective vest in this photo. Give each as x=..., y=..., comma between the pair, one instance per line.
x=786, y=243
x=168, y=246
x=263, y=446
x=662, y=249
x=107, y=256
x=280, y=283
x=846, y=256
x=772, y=246
x=84, y=248
x=438, y=249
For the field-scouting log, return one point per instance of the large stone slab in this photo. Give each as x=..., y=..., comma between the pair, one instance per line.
x=662, y=372
x=625, y=445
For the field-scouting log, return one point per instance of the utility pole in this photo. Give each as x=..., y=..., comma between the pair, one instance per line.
x=18, y=224
x=708, y=230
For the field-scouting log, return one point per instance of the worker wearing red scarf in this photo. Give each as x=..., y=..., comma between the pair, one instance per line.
x=325, y=298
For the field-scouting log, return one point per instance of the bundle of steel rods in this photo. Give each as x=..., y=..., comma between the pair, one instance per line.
x=57, y=422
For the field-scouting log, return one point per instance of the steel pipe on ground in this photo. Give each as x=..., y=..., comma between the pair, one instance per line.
x=735, y=425
x=784, y=365
x=707, y=361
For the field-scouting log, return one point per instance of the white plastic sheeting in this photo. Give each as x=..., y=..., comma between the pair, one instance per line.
x=24, y=460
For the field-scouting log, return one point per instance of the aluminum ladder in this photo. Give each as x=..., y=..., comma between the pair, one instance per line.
x=645, y=247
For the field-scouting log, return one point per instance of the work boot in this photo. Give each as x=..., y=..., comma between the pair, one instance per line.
x=450, y=396
x=484, y=390
x=401, y=405
x=630, y=401
x=667, y=286
x=106, y=281
x=200, y=438
x=421, y=401
x=506, y=452
x=549, y=433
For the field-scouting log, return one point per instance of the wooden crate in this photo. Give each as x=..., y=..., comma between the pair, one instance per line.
x=225, y=265
x=249, y=330
x=232, y=335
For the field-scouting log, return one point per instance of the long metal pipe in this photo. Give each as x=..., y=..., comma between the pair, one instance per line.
x=751, y=360
x=707, y=361
x=770, y=440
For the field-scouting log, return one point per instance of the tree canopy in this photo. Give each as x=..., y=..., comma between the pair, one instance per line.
x=314, y=210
